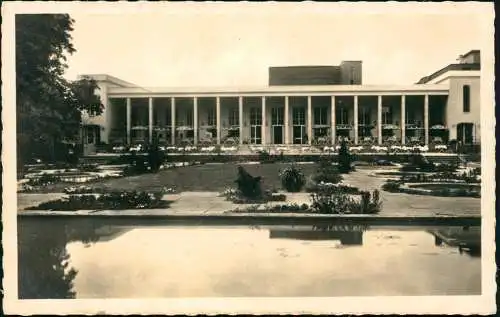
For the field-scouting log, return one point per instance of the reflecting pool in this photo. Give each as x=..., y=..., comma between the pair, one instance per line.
x=82, y=258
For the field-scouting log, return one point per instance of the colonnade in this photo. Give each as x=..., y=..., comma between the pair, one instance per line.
x=287, y=139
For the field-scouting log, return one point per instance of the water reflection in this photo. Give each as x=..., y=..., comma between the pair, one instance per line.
x=466, y=239
x=44, y=269
x=346, y=235
x=82, y=258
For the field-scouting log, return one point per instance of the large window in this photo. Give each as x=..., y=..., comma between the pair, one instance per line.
x=277, y=116
x=234, y=118
x=255, y=116
x=320, y=116
x=364, y=116
x=211, y=116
x=168, y=117
x=299, y=116
x=341, y=115
x=466, y=97
x=386, y=115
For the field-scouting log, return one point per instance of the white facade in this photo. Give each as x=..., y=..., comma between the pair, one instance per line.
x=289, y=114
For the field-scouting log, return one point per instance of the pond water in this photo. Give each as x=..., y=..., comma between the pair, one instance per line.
x=59, y=258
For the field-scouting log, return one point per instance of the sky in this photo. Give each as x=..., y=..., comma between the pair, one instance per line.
x=210, y=47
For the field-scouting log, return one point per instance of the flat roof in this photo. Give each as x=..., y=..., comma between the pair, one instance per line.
x=451, y=67
x=325, y=90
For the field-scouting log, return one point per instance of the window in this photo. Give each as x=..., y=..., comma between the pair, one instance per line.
x=364, y=116
x=94, y=110
x=277, y=116
x=320, y=116
x=386, y=115
x=234, y=118
x=466, y=98
x=189, y=117
x=299, y=116
x=168, y=117
x=211, y=117
x=341, y=115
x=255, y=116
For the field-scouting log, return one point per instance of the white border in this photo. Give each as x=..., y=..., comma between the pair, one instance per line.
x=484, y=304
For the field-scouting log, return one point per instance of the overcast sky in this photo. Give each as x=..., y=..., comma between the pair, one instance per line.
x=210, y=47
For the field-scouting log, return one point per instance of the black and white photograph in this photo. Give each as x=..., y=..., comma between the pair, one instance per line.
x=212, y=157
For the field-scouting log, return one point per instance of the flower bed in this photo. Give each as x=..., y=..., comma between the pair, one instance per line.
x=235, y=196
x=106, y=201
x=434, y=189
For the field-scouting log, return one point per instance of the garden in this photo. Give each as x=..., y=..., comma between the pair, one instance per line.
x=421, y=177
x=270, y=184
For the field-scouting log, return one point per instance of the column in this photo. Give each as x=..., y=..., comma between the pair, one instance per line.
x=195, y=119
x=309, y=120
x=217, y=113
x=263, y=132
x=403, y=119
x=150, y=120
x=332, y=119
x=426, y=119
x=172, y=120
x=356, y=120
x=287, y=132
x=129, y=120
x=240, y=113
x=379, y=120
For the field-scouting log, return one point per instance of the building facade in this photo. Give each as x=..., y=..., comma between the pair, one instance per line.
x=441, y=107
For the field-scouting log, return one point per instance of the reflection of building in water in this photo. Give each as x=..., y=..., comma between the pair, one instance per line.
x=466, y=239
x=108, y=233
x=345, y=237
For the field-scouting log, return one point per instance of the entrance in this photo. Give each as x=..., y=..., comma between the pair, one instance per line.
x=255, y=134
x=277, y=134
x=91, y=137
x=465, y=133
x=299, y=134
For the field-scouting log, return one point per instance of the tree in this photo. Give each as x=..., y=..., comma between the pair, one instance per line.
x=48, y=106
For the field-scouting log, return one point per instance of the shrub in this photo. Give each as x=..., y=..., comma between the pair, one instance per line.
x=344, y=158
x=392, y=186
x=111, y=201
x=329, y=199
x=156, y=158
x=265, y=157
x=327, y=173
x=136, y=165
x=348, y=189
x=292, y=179
x=249, y=186
x=369, y=203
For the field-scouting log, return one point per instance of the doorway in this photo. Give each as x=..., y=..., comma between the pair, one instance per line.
x=299, y=134
x=277, y=134
x=465, y=133
x=255, y=134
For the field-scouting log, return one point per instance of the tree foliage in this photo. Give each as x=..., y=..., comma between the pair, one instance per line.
x=48, y=105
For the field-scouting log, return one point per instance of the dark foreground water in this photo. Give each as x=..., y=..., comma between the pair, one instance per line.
x=89, y=259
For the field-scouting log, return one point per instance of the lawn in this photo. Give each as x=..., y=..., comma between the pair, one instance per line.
x=209, y=177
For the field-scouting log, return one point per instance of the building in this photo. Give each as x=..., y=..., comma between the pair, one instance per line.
x=316, y=105
x=347, y=73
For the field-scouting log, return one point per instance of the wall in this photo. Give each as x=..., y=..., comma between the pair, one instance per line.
x=304, y=75
x=454, y=113
x=351, y=70
x=103, y=120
